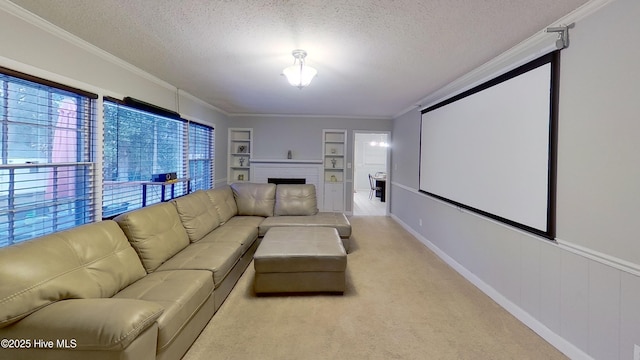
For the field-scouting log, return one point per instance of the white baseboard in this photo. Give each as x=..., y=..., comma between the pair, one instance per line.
x=539, y=328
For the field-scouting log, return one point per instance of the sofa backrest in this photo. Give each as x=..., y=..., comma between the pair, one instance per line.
x=298, y=199
x=89, y=261
x=254, y=199
x=224, y=202
x=155, y=232
x=197, y=213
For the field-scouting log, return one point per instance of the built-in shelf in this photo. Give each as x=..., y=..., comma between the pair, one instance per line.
x=239, y=150
x=334, y=147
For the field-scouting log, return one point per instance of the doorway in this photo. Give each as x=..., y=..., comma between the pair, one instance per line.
x=370, y=157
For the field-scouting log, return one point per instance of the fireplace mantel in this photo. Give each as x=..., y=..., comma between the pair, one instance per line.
x=310, y=170
x=285, y=161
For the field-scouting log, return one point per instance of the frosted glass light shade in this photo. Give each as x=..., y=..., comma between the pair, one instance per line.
x=299, y=75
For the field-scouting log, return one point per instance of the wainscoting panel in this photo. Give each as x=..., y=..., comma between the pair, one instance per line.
x=629, y=314
x=604, y=295
x=550, y=286
x=530, y=274
x=574, y=304
x=586, y=308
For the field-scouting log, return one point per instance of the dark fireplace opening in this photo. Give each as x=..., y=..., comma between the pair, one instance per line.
x=278, y=181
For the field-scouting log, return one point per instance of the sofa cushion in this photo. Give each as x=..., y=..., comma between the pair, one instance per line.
x=88, y=261
x=224, y=202
x=198, y=215
x=299, y=199
x=95, y=324
x=254, y=199
x=253, y=221
x=156, y=233
x=218, y=258
x=181, y=293
x=243, y=235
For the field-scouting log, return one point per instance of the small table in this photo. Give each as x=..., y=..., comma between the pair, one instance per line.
x=381, y=181
x=163, y=185
x=300, y=259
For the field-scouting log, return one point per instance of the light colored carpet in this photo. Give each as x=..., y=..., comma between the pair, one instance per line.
x=402, y=302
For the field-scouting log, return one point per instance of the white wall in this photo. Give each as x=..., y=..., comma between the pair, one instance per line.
x=273, y=136
x=33, y=46
x=582, y=292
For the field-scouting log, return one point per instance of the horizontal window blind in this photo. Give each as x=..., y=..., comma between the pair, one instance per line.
x=137, y=145
x=201, y=164
x=47, y=153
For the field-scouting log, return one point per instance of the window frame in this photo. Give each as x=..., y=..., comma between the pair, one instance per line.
x=209, y=160
x=185, y=183
x=47, y=214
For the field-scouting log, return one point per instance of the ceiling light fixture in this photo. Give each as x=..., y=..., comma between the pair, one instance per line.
x=299, y=74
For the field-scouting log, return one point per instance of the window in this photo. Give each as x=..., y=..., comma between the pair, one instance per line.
x=137, y=145
x=47, y=153
x=201, y=145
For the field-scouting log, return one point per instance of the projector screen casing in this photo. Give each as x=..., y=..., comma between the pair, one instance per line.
x=492, y=149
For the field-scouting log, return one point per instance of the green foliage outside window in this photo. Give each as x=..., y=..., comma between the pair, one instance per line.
x=138, y=145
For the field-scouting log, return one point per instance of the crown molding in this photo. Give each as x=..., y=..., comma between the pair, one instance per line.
x=351, y=117
x=43, y=24
x=45, y=74
x=525, y=51
x=48, y=27
x=199, y=101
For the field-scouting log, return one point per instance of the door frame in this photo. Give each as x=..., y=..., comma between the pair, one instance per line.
x=387, y=164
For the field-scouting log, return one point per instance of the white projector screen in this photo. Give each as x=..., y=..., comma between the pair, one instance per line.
x=491, y=149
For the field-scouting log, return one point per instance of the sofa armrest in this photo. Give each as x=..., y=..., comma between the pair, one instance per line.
x=86, y=324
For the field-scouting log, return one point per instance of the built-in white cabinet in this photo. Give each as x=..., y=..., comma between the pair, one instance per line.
x=334, y=197
x=334, y=145
x=240, y=148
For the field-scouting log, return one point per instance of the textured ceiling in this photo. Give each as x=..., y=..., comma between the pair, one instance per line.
x=374, y=58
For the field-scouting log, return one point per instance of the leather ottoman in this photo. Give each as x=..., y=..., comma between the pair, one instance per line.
x=300, y=259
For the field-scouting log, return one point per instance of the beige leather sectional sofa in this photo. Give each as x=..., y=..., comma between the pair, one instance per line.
x=144, y=285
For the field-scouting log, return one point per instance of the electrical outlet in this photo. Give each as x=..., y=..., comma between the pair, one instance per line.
x=420, y=223
x=636, y=352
